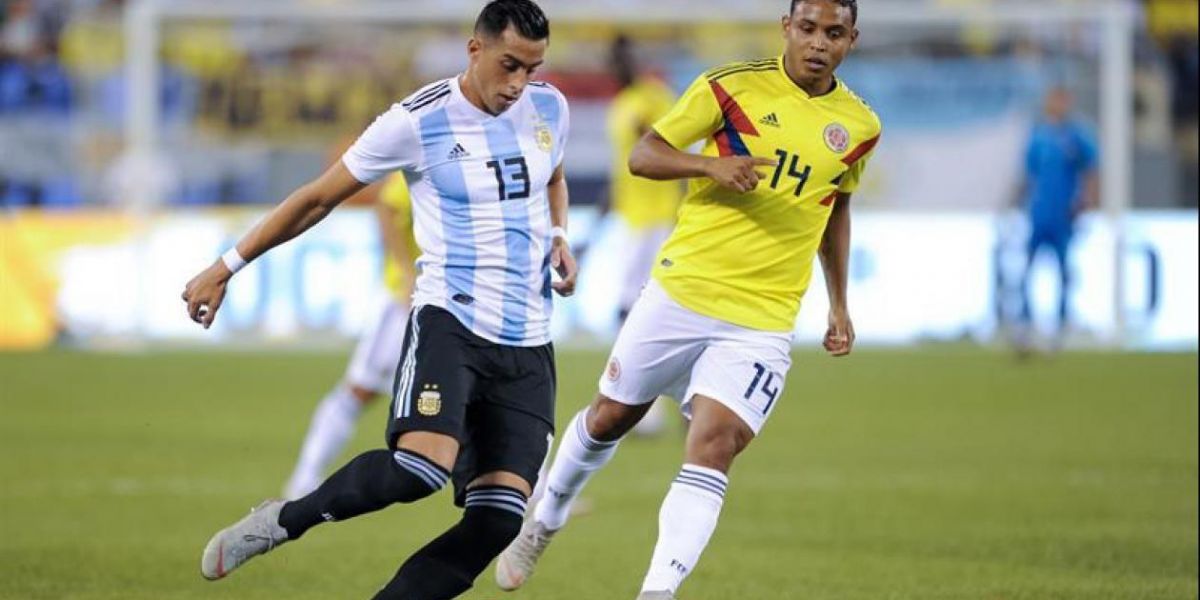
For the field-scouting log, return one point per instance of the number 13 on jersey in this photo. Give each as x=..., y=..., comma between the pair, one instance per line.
x=512, y=177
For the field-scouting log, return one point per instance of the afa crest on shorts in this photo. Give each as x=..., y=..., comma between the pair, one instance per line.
x=429, y=403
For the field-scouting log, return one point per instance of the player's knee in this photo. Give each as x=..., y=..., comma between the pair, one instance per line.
x=718, y=455
x=414, y=477
x=503, y=479
x=609, y=420
x=439, y=448
x=716, y=447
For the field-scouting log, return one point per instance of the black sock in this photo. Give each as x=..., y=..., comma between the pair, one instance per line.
x=448, y=566
x=373, y=480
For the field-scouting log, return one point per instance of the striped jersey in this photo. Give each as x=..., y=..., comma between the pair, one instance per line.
x=480, y=205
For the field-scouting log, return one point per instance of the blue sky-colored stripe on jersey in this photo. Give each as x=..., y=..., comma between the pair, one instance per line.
x=503, y=144
x=551, y=111
x=437, y=139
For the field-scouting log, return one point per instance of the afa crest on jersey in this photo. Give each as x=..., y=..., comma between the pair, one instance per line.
x=545, y=141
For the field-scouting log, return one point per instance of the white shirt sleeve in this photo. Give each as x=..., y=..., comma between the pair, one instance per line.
x=564, y=130
x=390, y=144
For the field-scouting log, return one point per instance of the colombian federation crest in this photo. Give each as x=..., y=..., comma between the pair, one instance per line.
x=429, y=403
x=544, y=140
x=837, y=138
x=614, y=369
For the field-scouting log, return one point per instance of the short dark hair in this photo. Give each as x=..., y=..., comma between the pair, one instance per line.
x=850, y=4
x=524, y=15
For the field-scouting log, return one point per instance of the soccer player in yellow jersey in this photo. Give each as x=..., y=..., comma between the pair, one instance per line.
x=646, y=208
x=786, y=143
x=373, y=365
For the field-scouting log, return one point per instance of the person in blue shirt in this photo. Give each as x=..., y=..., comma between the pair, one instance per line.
x=1060, y=184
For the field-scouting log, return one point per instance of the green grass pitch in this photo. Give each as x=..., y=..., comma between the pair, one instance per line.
x=943, y=473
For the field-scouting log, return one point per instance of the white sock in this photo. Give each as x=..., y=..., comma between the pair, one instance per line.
x=539, y=490
x=577, y=458
x=685, y=523
x=333, y=424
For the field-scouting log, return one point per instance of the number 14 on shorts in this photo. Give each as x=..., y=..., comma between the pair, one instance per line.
x=766, y=384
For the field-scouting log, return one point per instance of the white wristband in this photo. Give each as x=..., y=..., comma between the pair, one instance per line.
x=559, y=232
x=233, y=261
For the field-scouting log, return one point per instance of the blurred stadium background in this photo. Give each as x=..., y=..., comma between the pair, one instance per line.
x=140, y=138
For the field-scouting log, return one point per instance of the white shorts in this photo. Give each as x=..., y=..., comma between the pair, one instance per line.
x=373, y=365
x=666, y=349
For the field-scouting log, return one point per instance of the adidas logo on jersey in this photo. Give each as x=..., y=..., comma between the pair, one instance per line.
x=458, y=152
x=770, y=120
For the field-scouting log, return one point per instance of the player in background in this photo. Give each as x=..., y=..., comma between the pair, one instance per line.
x=372, y=367
x=474, y=394
x=645, y=208
x=786, y=144
x=1061, y=182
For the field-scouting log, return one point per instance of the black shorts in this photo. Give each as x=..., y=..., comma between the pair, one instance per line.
x=496, y=400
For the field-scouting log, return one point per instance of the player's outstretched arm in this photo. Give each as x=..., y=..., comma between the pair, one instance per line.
x=654, y=158
x=302, y=209
x=835, y=262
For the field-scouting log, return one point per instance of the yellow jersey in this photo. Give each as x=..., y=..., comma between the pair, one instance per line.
x=747, y=258
x=640, y=202
x=395, y=195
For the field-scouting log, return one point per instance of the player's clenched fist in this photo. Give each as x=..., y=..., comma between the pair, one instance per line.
x=839, y=338
x=562, y=261
x=205, y=292
x=738, y=173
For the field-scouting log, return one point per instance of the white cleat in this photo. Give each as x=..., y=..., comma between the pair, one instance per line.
x=257, y=533
x=656, y=596
x=516, y=563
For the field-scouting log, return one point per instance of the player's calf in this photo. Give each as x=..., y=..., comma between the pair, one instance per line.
x=371, y=481
x=693, y=504
x=448, y=566
x=588, y=443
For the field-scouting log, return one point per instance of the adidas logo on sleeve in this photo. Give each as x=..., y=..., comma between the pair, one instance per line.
x=770, y=120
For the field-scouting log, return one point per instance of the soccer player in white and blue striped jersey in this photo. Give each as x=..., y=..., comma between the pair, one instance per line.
x=474, y=392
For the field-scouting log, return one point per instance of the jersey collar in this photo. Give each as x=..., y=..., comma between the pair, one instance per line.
x=483, y=115
x=837, y=83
